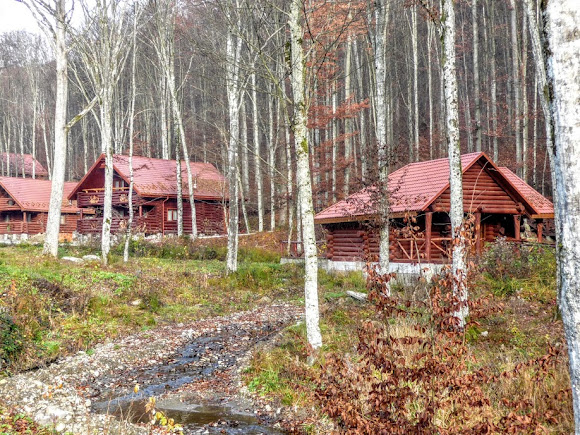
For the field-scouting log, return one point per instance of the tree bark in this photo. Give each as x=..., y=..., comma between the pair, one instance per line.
x=455, y=169
x=379, y=48
x=562, y=18
x=303, y=177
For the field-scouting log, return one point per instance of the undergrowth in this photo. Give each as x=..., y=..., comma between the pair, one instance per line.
x=400, y=364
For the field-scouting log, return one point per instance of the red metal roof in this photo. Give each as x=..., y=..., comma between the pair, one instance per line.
x=541, y=204
x=26, y=161
x=34, y=195
x=414, y=187
x=156, y=177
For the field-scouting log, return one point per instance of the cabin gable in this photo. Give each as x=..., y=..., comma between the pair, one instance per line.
x=481, y=192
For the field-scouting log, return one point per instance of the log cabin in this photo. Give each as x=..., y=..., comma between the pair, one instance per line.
x=154, y=197
x=419, y=200
x=24, y=204
x=22, y=165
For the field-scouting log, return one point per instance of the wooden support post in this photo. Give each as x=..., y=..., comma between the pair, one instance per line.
x=540, y=230
x=140, y=211
x=428, y=228
x=24, y=223
x=478, y=233
x=517, y=226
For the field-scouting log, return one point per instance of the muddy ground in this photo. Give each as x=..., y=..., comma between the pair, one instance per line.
x=192, y=370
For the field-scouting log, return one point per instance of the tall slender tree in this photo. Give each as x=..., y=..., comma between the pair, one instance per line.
x=563, y=56
x=297, y=67
x=455, y=170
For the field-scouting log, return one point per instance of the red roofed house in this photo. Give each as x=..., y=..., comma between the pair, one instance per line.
x=22, y=165
x=419, y=194
x=154, y=196
x=24, y=207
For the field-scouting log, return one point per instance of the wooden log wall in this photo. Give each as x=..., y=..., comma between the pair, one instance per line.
x=480, y=192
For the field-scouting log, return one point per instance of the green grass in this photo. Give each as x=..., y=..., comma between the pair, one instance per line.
x=54, y=307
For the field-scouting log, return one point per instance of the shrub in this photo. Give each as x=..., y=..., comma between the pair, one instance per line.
x=11, y=339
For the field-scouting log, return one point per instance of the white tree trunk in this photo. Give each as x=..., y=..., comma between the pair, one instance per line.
x=348, y=122
x=414, y=40
x=257, y=155
x=562, y=21
x=303, y=177
x=455, y=171
x=379, y=47
x=60, y=134
x=233, y=50
x=476, y=97
x=131, y=130
x=516, y=85
x=271, y=158
x=107, y=148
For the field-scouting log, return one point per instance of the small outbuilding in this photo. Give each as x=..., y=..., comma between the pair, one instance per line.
x=24, y=204
x=419, y=199
x=154, y=196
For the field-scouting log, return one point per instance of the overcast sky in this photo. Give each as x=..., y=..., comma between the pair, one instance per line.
x=15, y=16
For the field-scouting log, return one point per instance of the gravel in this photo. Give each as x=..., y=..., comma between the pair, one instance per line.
x=64, y=393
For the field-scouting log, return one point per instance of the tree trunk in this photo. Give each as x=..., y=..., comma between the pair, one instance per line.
x=379, y=47
x=516, y=85
x=476, y=92
x=60, y=134
x=455, y=169
x=562, y=18
x=257, y=155
x=233, y=49
x=303, y=177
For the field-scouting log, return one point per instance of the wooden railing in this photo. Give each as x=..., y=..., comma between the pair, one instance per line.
x=95, y=225
x=96, y=197
x=415, y=250
x=19, y=227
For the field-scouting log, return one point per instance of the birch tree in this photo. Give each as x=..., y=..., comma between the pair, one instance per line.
x=297, y=67
x=44, y=11
x=103, y=51
x=455, y=171
x=51, y=16
x=563, y=37
x=381, y=16
x=233, y=53
x=164, y=47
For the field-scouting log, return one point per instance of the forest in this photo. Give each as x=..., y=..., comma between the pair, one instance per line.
x=299, y=104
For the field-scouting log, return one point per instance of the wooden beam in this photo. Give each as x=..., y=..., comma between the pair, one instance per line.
x=428, y=228
x=540, y=230
x=478, y=233
x=517, y=226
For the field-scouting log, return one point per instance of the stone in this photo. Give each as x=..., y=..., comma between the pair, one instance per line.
x=91, y=257
x=72, y=259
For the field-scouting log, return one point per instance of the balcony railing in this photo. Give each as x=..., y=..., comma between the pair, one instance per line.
x=96, y=197
x=19, y=227
x=140, y=224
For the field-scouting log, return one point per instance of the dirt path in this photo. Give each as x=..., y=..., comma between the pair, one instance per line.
x=192, y=370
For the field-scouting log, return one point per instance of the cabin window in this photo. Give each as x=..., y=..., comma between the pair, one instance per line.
x=172, y=215
x=28, y=217
x=62, y=219
x=6, y=218
x=10, y=202
x=118, y=183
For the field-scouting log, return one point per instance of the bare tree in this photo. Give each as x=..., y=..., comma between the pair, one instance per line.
x=455, y=170
x=297, y=66
x=381, y=16
x=562, y=22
